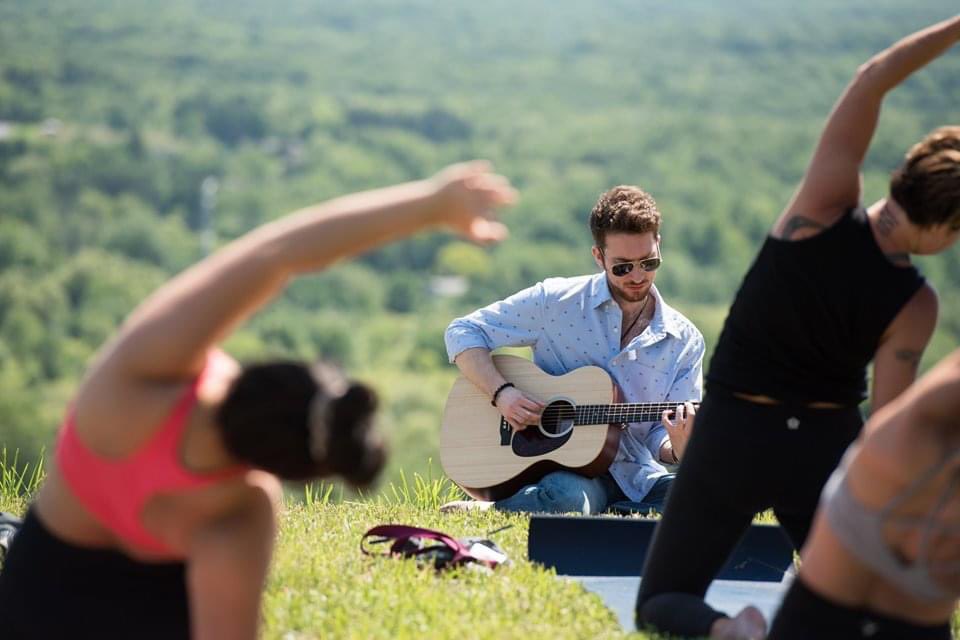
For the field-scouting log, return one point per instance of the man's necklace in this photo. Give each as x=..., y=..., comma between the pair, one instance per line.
x=626, y=332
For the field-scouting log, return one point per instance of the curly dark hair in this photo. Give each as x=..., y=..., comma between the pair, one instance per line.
x=623, y=209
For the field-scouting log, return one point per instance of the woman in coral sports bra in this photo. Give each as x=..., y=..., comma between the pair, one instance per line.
x=158, y=517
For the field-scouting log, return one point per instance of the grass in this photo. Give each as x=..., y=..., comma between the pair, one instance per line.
x=17, y=482
x=322, y=586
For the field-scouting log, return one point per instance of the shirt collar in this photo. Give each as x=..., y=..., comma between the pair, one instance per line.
x=599, y=291
x=664, y=319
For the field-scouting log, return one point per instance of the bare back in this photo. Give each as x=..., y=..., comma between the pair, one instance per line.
x=139, y=410
x=919, y=497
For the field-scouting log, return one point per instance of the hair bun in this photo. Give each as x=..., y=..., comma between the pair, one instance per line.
x=356, y=452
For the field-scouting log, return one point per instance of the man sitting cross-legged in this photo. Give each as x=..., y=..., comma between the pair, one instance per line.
x=616, y=320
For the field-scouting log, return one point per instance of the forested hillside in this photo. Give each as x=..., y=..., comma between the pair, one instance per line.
x=114, y=113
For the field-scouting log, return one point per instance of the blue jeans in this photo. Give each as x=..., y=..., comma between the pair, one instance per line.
x=565, y=492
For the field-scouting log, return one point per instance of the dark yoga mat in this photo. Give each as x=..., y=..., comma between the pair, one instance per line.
x=616, y=546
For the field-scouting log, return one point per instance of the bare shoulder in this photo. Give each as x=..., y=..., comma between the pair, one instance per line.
x=911, y=328
x=255, y=494
x=935, y=399
x=923, y=420
x=919, y=314
x=265, y=489
x=116, y=415
x=245, y=507
x=117, y=412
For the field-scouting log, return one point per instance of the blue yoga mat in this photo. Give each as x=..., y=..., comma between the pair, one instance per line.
x=605, y=554
x=617, y=546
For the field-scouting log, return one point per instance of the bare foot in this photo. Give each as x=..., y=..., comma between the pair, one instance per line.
x=466, y=505
x=746, y=625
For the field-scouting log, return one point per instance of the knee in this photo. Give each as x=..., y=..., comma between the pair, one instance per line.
x=656, y=498
x=645, y=614
x=561, y=492
x=676, y=614
x=643, y=599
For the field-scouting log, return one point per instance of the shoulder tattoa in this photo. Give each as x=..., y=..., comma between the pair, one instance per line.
x=795, y=224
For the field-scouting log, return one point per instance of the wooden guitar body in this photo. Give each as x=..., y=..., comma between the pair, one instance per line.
x=480, y=452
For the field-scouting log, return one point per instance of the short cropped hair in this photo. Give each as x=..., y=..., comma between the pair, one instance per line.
x=623, y=209
x=927, y=184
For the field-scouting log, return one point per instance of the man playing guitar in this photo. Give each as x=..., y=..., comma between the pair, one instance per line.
x=616, y=320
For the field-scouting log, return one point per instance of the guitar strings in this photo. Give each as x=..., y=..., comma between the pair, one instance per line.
x=600, y=414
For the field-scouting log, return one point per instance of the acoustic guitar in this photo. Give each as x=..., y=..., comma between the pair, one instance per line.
x=579, y=429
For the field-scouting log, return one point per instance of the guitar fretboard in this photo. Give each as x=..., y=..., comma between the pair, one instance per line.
x=630, y=412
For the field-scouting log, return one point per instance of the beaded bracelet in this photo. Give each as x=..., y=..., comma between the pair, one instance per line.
x=496, y=393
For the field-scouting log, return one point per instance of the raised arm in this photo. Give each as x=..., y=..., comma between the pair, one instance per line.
x=933, y=403
x=168, y=336
x=832, y=182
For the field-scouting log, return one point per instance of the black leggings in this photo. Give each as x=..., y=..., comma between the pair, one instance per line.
x=805, y=614
x=52, y=589
x=743, y=458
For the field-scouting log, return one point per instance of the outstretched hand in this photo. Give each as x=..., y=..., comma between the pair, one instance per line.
x=468, y=195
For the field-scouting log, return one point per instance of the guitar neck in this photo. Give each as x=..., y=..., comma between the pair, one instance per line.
x=627, y=412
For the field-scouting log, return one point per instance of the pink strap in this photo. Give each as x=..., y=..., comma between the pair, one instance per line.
x=401, y=533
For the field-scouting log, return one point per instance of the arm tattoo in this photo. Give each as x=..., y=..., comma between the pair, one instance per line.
x=796, y=223
x=909, y=356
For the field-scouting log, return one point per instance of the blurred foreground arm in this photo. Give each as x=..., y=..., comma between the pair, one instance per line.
x=168, y=336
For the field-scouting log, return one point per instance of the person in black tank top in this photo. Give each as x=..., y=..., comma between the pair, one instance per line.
x=831, y=290
x=810, y=314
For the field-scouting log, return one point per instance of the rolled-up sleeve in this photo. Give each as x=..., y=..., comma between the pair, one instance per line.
x=687, y=385
x=516, y=321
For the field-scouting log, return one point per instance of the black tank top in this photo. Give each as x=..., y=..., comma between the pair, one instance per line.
x=809, y=316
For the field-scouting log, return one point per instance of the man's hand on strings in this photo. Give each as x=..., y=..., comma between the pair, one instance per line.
x=679, y=427
x=519, y=410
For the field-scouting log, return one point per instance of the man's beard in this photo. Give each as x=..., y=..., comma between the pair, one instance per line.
x=635, y=295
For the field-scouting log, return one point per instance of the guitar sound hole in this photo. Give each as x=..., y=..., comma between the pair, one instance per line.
x=558, y=419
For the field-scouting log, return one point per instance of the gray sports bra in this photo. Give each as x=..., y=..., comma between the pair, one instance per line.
x=860, y=529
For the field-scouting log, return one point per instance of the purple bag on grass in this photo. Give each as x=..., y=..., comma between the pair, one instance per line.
x=435, y=547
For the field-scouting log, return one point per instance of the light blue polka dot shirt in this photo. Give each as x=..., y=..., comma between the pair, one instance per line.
x=574, y=322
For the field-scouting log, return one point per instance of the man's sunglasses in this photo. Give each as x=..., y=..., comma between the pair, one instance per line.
x=647, y=264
